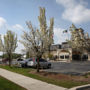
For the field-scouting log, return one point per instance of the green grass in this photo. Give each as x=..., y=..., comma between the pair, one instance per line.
x=8, y=85
x=26, y=72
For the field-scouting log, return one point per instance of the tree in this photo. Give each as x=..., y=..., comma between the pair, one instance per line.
x=87, y=42
x=8, y=44
x=37, y=41
x=79, y=40
x=51, y=33
x=14, y=55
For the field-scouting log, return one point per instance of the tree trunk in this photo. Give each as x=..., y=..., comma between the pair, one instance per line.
x=38, y=65
x=49, y=51
x=9, y=63
x=10, y=59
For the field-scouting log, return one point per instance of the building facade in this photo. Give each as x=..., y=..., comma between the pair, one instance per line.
x=64, y=52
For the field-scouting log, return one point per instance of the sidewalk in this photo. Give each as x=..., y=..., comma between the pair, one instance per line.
x=27, y=82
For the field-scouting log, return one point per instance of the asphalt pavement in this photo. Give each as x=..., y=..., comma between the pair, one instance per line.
x=73, y=68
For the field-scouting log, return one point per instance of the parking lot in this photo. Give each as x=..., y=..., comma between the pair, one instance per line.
x=73, y=68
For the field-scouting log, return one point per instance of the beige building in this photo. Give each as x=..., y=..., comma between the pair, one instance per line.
x=64, y=52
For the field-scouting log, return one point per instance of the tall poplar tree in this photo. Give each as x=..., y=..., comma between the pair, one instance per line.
x=8, y=44
x=36, y=40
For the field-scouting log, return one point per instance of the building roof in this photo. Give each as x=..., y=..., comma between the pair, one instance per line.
x=55, y=47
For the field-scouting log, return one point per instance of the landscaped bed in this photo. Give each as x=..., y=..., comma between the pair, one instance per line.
x=66, y=81
x=8, y=85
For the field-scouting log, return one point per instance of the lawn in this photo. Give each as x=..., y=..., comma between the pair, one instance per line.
x=47, y=77
x=8, y=85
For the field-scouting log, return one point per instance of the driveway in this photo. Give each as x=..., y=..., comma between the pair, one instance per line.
x=73, y=68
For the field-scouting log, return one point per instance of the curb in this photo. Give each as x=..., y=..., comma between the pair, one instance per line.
x=81, y=87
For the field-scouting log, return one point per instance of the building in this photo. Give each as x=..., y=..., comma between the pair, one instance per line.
x=54, y=47
x=64, y=52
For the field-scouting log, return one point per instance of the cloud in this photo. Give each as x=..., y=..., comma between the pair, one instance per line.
x=75, y=11
x=2, y=22
x=18, y=27
x=19, y=48
x=59, y=36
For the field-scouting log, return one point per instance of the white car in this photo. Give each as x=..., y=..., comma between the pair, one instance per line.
x=43, y=63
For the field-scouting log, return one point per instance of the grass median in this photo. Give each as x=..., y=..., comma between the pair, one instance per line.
x=8, y=85
x=49, y=79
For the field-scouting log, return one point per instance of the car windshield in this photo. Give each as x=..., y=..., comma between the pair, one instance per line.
x=20, y=60
x=43, y=60
x=28, y=59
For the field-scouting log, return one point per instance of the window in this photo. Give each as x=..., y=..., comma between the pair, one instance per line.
x=84, y=57
x=30, y=60
x=66, y=56
x=62, y=56
x=42, y=60
x=20, y=60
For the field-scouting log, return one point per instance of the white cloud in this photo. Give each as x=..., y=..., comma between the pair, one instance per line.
x=75, y=11
x=18, y=27
x=19, y=48
x=59, y=36
x=67, y=3
x=2, y=22
x=15, y=27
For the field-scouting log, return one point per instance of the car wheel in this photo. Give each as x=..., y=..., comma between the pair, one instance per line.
x=39, y=66
x=20, y=65
x=49, y=66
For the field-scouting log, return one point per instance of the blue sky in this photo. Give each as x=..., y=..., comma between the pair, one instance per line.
x=14, y=14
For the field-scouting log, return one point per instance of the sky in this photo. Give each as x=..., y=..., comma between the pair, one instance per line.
x=15, y=13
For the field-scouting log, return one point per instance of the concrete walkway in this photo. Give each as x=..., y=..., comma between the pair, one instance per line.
x=27, y=82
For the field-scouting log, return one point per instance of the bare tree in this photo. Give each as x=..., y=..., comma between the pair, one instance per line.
x=8, y=44
x=38, y=40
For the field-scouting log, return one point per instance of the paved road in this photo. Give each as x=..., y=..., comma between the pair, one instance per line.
x=28, y=83
x=83, y=87
x=75, y=68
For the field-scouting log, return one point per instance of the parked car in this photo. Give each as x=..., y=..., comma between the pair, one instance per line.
x=33, y=63
x=5, y=60
x=43, y=63
x=1, y=62
x=20, y=63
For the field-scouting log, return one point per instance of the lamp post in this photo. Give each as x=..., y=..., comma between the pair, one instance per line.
x=67, y=31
